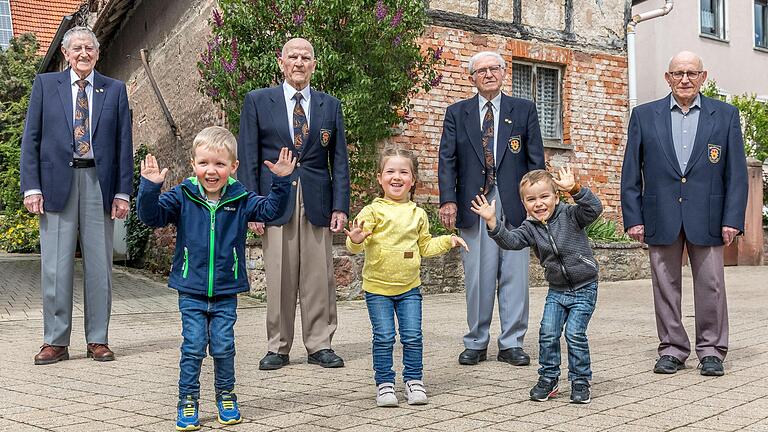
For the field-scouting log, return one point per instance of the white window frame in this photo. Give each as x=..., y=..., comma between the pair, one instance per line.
x=4, y=45
x=722, y=19
x=549, y=141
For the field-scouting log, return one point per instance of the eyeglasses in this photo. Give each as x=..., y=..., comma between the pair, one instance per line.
x=87, y=48
x=490, y=69
x=692, y=75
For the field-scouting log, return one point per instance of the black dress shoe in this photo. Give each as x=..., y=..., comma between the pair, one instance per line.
x=668, y=364
x=325, y=358
x=712, y=366
x=472, y=357
x=514, y=356
x=273, y=361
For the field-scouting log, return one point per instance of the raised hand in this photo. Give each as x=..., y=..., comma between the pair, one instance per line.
x=486, y=211
x=150, y=170
x=458, y=241
x=285, y=163
x=565, y=179
x=357, y=234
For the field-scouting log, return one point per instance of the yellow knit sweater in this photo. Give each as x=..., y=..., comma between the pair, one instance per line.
x=400, y=237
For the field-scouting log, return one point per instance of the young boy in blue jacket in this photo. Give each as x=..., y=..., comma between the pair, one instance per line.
x=555, y=232
x=211, y=212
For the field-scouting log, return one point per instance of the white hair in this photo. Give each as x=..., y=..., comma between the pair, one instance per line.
x=79, y=32
x=686, y=54
x=482, y=54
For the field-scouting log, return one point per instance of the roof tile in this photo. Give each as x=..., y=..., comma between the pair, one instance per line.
x=41, y=17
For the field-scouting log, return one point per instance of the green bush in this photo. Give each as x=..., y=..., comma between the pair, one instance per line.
x=606, y=230
x=367, y=56
x=137, y=234
x=19, y=231
x=754, y=120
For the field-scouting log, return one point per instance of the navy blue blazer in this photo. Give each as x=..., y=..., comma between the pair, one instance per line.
x=710, y=194
x=461, y=167
x=323, y=166
x=48, y=140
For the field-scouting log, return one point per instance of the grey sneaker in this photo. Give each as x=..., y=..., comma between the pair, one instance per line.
x=386, y=396
x=415, y=392
x=580, y=393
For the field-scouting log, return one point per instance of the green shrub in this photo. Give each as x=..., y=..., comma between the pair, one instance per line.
x=137, y=234
x=606, y=230
x=19, y=231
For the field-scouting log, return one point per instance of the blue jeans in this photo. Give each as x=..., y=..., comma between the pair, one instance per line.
x=207, y=322
x=382, y=310
x=571, y=309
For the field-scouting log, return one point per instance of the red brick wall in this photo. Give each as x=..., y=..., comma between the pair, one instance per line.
x=594, y=108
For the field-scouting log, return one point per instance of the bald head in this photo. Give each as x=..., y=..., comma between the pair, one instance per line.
x=298, y=43
x=686, y=57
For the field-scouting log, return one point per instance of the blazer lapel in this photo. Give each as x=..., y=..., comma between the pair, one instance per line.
x=663, y=125
x=472, y=126
x=280, y=115
x=505, y=127
x=316, y=117
x=65, y=93
x=703, y=132
x=98, y=94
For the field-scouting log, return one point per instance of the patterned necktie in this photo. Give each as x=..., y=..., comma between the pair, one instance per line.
x=81, y=127
x=300, y=126
x=490, y=165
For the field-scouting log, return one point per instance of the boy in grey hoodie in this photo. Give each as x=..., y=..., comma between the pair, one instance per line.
x=555, y=232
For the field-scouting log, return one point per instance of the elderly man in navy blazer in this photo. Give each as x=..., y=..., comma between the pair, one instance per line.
x=684, y=185
x=297, y=246
x=489, y=142
x=76, y=172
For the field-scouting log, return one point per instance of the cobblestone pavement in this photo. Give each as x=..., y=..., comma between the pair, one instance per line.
x=138, y=390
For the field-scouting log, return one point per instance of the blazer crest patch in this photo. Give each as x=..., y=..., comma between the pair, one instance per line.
x=515, y=143
x=714, y=152
x=325, y=137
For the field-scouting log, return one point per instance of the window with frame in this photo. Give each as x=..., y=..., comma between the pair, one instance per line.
x=542, y=85
x=761, y=24
x=712, y=14
x=6, y=27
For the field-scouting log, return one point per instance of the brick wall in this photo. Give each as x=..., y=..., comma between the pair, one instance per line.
x=594, y=107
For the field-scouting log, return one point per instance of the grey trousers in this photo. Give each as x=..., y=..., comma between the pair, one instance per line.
x=84, y=215
x=710, y=306
x=486, y=268
x=299, y=262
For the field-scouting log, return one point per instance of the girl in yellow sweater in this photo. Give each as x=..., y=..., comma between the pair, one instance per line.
x=394, y=233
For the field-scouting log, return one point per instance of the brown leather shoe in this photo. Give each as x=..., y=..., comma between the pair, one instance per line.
x=51, y=354
x=100, y=352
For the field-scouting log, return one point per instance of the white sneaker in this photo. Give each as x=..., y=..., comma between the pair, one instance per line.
x=386, y=396
x=415, y=392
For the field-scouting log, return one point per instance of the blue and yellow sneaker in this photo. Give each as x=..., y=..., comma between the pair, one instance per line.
x=229, y=412
x=186, y=417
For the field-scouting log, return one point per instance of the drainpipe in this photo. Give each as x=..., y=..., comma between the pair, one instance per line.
x=631, y=62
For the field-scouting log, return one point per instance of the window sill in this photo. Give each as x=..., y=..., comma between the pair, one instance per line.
x=555, y=143
x=761, y=49
x=714, y=38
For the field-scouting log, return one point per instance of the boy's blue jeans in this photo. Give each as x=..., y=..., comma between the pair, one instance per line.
x=207, y=322
x=382, y=310
x=571, y=309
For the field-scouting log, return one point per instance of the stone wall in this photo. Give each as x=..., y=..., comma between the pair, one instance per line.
x=445, y=274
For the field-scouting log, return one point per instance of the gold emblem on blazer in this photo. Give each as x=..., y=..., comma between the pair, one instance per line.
x=325, y=137
x=515, y=143
x=714, y=152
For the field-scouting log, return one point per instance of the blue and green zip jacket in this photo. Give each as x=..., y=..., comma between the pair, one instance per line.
x=210, y=240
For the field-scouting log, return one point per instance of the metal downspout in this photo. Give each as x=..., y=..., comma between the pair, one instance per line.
x=631, y=62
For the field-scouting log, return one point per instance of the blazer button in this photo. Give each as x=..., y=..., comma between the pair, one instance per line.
x=482, y=172
x=71, y=163
x=298, y=164
x=680, y=199
x=684, y=180
x=294, y=183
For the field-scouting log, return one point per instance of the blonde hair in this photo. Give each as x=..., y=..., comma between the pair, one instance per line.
x=216, y=138
x=532, y=177
x=391, y=152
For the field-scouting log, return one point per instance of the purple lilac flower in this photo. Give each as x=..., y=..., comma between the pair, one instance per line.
x=397, y=18
x=217, y=18
x=396, y=41
x=212, y=92
x=381, y=11
x=436, y=81
x=205, y=58
x=438, y=53
x=230, y=66
x=298, y=18
x=275, y=9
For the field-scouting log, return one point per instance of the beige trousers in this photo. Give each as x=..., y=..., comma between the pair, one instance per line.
x=299, y=262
